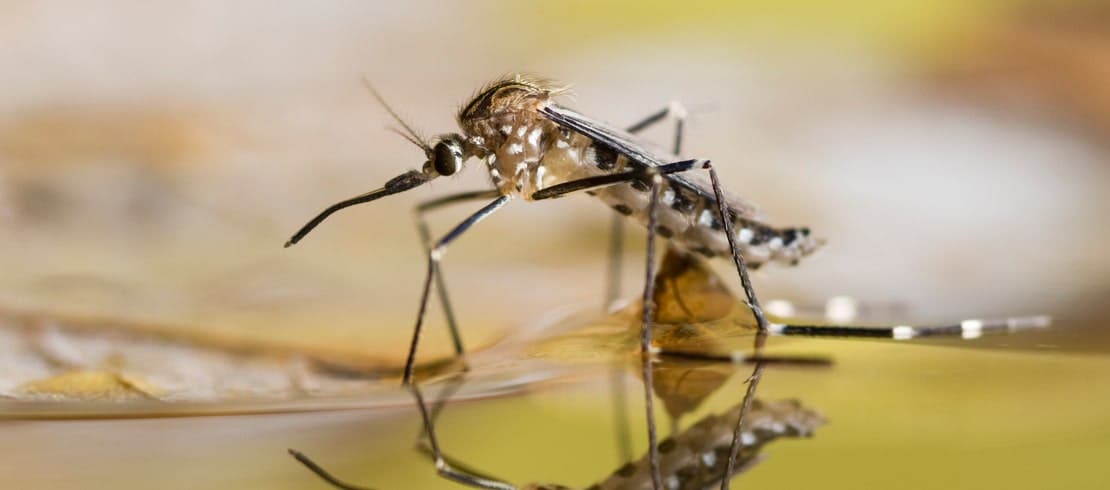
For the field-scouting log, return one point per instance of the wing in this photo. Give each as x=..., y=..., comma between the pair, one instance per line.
x=641, y=155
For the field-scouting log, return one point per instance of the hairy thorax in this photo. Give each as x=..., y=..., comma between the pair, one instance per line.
x=503, y=125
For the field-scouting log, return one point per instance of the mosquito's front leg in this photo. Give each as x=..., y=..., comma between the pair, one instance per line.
x=445, y=468
x=427, y=434
x=322, y=473
x=434, y=256
x=426, y=240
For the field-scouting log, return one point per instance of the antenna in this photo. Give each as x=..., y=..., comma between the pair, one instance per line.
x=409, y=133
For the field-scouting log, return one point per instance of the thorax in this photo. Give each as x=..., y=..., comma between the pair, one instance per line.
x=526, y=154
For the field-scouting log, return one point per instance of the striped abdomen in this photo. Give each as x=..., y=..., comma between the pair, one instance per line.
x=688, y=213
x=696, y=457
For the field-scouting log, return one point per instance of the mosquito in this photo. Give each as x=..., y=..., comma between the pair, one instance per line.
x=537, y=149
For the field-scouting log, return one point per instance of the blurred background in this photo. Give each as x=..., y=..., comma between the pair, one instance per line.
x=154, y=158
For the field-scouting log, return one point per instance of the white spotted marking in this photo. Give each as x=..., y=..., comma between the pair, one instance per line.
x=971, y=329
x=903, y=332
x=709, y=459
x=672, y=482
x=541, y=171
x=705, y=218
x=534, y=137
x=668, y=197
x=747, y=438
x=745, y=235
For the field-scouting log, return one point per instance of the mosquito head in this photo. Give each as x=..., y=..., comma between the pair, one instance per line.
x=446, y=156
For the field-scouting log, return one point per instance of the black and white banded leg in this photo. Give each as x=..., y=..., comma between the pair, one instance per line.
x=426, y=240
x=967, y=329
x=435, y=254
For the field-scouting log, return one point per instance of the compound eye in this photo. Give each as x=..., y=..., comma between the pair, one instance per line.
x=445, y=159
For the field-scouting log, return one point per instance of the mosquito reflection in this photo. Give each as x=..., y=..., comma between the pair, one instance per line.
x=699, y=456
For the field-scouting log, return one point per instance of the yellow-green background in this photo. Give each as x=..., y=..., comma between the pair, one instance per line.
x=154, y=158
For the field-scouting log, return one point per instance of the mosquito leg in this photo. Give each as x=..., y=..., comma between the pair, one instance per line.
x=743, y=358
x=761, y=321
x=746, y=407
x=737, y=258
x=434, y=256
x=443, y=467
x=674, y=109
x=967, y=329
x=445, y=394
x=645, y=174
x=613, y=277
x=616, y=226
x=645, y=332
x=649, y=121
x=425, y=238
x=453, y=385
x=322, y=473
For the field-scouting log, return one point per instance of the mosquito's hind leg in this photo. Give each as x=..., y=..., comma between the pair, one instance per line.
x=616, y=225
x=435, y=254
x=427, y=427
x=426, y=240
x=734, y=250
x=745, y=408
